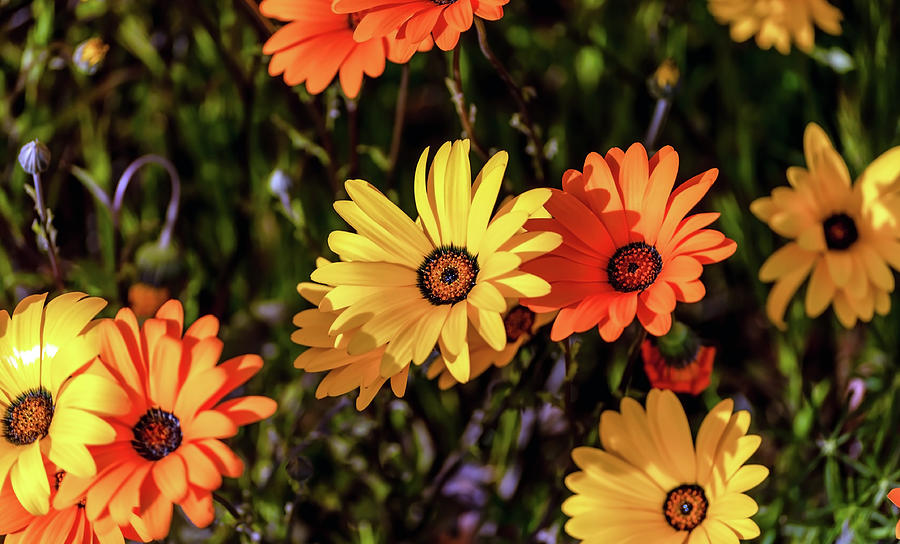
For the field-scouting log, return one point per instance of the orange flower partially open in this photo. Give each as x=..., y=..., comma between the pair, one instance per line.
x=681, y=375
x=416, y=20
x=168, y=447
x=894, y=495
x=628, y=250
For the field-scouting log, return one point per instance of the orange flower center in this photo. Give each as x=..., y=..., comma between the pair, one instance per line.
x=28, y=417
x=517, y=322
x=685, y=507
x=157, y=434
x=447, y=275
x=840, y=231
x=634, y=267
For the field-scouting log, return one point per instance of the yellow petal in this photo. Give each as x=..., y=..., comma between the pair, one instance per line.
x=486, y=188
x=29, y=480
x=425, y=201
x=453, y=334
x=458, y=187
x=820, y=290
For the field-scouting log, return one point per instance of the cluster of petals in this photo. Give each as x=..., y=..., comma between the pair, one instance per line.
x=845, y=238
x=628, y=248
x=777, y=23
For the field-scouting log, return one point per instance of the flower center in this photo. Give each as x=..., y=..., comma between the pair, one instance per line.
x=157, y=434
x=840, y=231
x=444, y=2
x=517, y=322
x=447, y=275
x=634, y=267
x=685, y=507
x=28, y=417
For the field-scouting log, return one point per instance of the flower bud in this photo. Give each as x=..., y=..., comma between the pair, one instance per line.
x=664, y=80
x=89, y=55
x=157, y=265
x=34, y=157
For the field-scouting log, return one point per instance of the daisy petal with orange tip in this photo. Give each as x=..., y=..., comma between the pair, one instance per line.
x=317, y=44
x=419, y=20
x=167, y=449
x=629, y=249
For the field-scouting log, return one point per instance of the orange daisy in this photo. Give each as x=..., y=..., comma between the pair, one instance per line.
x=416, y=20
x=168, y=447
x=68, y=525
x=318, y=44
x=677, y=361
x=628, y=250
x=894, y=495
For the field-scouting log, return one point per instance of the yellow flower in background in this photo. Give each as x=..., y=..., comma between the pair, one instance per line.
x=650, y=483
x=52, y=404
x=329, y=353
x=411, y=285
x=520, y=323
x=777, y=22
x=840, y=237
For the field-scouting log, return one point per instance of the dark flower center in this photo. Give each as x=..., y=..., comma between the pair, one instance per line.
x=28, y=417
x=517, y=322
x=157, y=434
x=840, y=231
x=634, y=267
x=444, y=2
x=685, y=507
x=447, y=275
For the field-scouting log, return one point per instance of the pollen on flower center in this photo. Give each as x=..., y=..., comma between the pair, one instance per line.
x=840, y=231
x=634, y=267
x=28, y=417
x=156, y=434
x=517, y=322
x=447, y=275
x=685, y=507
x=444, y=2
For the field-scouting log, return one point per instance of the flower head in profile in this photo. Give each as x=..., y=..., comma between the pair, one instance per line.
x=520, y=324
x=677, y=361
x=168, y=447
x=418, y=20
x=410, y=285
x=777, y=23
x=326, y=353
x=317, y=44
x=839, y=237
x=894, y=496
x=52, y=399
x=651, y=483
x=628, y=250
x=68, y=525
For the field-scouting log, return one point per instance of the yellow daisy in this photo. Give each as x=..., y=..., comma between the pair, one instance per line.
x=650, y=483
x=840, y=237
x=329, y=353
x=520, y=324
x=777, y=22
x=51, y=400
x=410, y=285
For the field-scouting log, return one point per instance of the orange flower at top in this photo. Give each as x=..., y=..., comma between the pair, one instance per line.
x=415, y=20
x=168, y=447
x=628, y=250
x=318, y=44
x=894, y=495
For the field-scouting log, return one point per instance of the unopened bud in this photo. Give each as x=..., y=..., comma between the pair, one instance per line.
x=34, y=157
x=89, y=55
x=664, y=80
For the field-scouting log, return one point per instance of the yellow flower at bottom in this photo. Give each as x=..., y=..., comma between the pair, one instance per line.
x=841, y=237
x=777, y=22
x=51, y=400
x=650, y=483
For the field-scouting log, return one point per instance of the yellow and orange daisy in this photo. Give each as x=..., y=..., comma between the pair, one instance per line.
x=520, y=324
x=777, y=22
x=168, y=448
x=68, y=525
x=418, y=20
x=52, y=398
x=651, y=483
x=677, y=361
x=628, y=250
x=410, y=285
x=317, y=44
x=840, y=238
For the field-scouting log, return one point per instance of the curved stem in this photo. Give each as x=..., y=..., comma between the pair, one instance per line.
x=459, y=100
x=165, y=237
x=538, y=157
x=45, y=229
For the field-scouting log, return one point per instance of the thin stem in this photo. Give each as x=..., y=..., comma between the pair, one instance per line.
x=353, y=121
x=165, y=237
x=230, y=507
x=539, y=160
x=399, y=122
x=634, y=353
x=660, y=113
x=45, y=228
x=459, y=100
